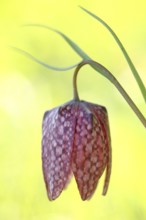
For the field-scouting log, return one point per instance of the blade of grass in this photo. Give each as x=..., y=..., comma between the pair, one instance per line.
x=41, y=62
x=131, y=65
x=73, y=45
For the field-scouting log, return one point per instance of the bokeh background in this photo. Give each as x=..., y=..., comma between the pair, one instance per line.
x=27, y=90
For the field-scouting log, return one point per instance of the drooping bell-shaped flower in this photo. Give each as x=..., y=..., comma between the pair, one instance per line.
x=76, y=140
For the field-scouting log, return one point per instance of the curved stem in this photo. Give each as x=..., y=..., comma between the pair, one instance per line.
x=75, y=90
x=105, y=72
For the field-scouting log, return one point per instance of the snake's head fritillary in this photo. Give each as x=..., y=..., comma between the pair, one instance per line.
x=76, y=140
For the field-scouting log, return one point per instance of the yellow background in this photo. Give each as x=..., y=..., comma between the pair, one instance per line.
x=27, y=90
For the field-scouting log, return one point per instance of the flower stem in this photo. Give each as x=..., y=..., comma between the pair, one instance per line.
x=105, y=72
x=75, y=90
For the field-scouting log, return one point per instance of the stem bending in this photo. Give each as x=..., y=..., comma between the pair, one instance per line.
x=105, y=72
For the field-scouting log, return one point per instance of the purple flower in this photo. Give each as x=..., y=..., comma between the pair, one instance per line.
x=76, y=140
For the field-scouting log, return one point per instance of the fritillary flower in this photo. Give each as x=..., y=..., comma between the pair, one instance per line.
x=76, y=141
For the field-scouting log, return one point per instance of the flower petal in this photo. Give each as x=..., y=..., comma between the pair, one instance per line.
x=57, y=142
x=100, y=113
x=88, y=152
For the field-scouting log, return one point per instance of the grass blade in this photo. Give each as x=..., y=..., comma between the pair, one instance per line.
x=42, y=63
x=131, y=65
x=73, y=45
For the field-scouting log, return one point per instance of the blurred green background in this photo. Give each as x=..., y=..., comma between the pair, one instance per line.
x=27, y=90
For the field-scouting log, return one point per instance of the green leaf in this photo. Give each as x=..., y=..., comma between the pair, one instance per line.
x=41, y=62
x=74, y=46
x=131, y=65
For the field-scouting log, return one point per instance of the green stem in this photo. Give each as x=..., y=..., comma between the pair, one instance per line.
x=105, y=72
